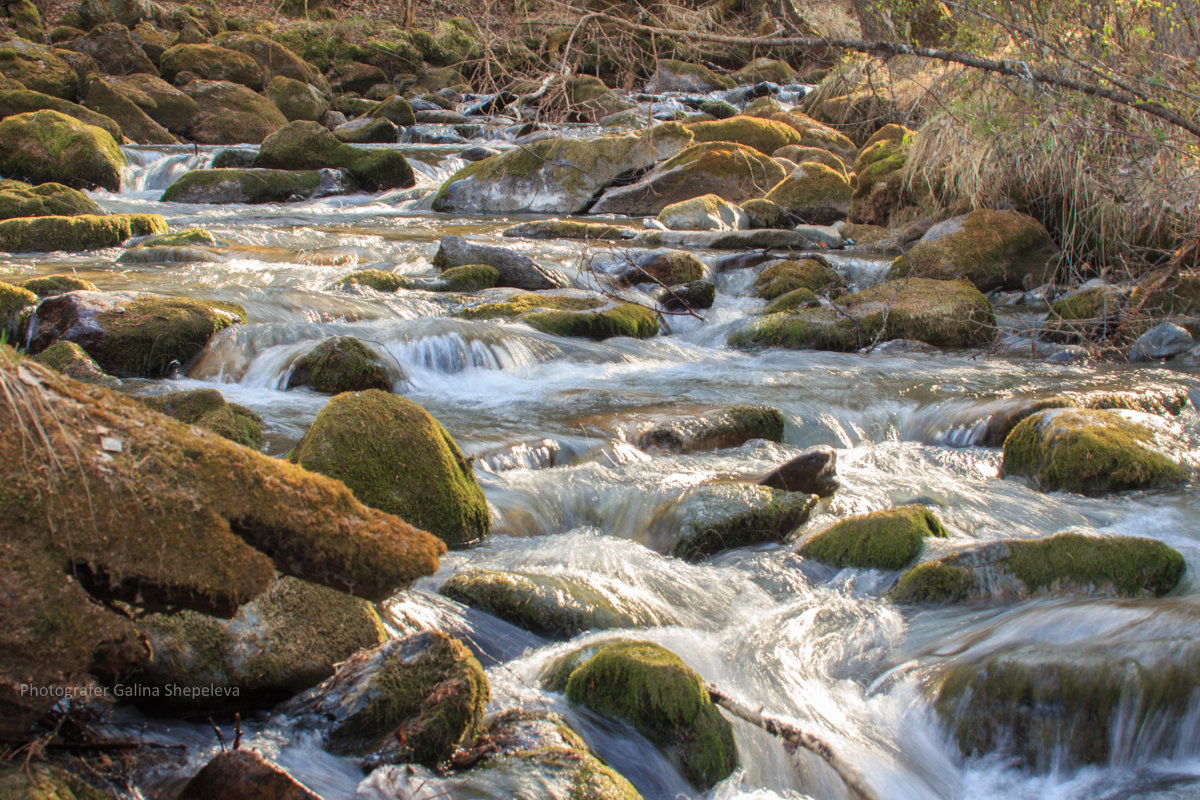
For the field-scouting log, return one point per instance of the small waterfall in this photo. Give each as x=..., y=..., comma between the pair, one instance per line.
x=155, y=170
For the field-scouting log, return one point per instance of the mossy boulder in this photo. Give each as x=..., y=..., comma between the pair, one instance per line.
x=104, y=97
x=766, y=69
x=730, y=171
x=26, y=19
x=308, y=146
x=722, y=427
x=559, y=176
x=672, y=75
x=1062, y=565
x=211, y=63
x=21, y=101
x=547, y=604
x=878, y=176
x=568, y=229
x=1088, y=451
x=515, y=305
x=297, y=100
x=73, y=361
x=763, y=213
x=709, y=519
x=705, y=213
x=941, y=313
x=48, y=146
x=799, y=154
x=75, y=234
x=696, y=295
x=718, y=109
x=377, y=279
x=190, y=527
x=650, y=687
x=468, y=278
x=207, y=409
x=354, y=77
x=224, y=186
x=231, y=114
x=888, y=539
x=48, y=285
x=341, y=364
x=272, y=57
x=114, y=50
x=666, y=267
x=39, y=68
x=161, y=101
x=411, y=700
x=585, y=98
x=991, y=249
x=19, y=199
x=817, y=134
x=1088, y=315
x=13, y=302
x=622, y=319
x=395, y=457
x=367, y=130
x=813, y=193
x=516, y=270
x=131, y=334
x=783, y=277
x=764, y=135
x=38, y=781
x=397, y=110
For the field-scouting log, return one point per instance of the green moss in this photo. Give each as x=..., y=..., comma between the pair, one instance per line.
x=799, y=154
x=33, y=781
x=341, y=364
x=71, y=360
x=814, y=193
x=718, y=109
x=1133, y=566
x=305, y=145
x=295, y=99
x=212, y=63
x=664, y=699
x=242, y=186
x=469, y=278
x=207, y=408
x=19, y=199
x=670, y=268
x=519, y=304
x=786, y=276
x=790, y=301
x=73, y=234
x=887, y=539
x=188, y=237
x=39, y=68
x=625, y=319
x=1086, y=315
x=376, y=279
x=696, y=295
x=722, y=427
x=765, y=214
x=764, y=135
x=56, y=284
x=48, y=146
x=395, y=457
x=721, y=517
x=935, y=582
x=567, y=229
x=187, y=406
x=1087, y=451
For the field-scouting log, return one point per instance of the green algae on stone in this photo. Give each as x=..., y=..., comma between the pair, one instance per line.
x=1087, y=451
x=935, y=582
x=623, y=319
x=793, y=300
x=305, y=145
x=468, y=278
x=187, y=237
x=242, y=186
x=73, y=361
x=652, y=688
x=19, y=199
x=888, y=539
x=764, y=135
x=341, y=364
x=765, y=213
x=377, y=279
x=395, y=457
x=766, y=69
x=229, y=113
x=878, y=181
x=48, y=146
x=522, y=303
x=723, y=516
x=77, y=233
x=785, y=276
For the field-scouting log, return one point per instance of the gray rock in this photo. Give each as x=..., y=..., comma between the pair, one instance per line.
x=1164, y=340
x=477, y=153
x=366, y=130
x=822, y=234
x=441, y=116
x=515, y=270
x=431, y=134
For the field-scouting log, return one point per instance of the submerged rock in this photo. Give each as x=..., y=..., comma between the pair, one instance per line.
x=308, y=145
x=1087, y=451
x=722, y=427
x=697, y=295
x=813, y=472
x=244, y=775
x=719, y=517
x=76, y=233
x=887, y=539
x=48, y=146
x=377, y=279
x=395, y=457
x=1064, y=564
x=469, y=278
x=516, y=270
x=222, y=186
x=341, y=364
x=651, y=687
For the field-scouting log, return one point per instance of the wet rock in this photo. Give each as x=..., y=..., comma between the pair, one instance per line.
x=568, y=229
x=764, y=135
x=782, y=277
x=231, y=114
x=723, y=427
x=342, y=364
x=189, y=527
x=71, y=360
x=1087, y=451
x=651, y=687
x=206, y=408
x=367, y=130
x=308, y=145
x=732, y=172
x=376, y=279
x=719, y=517
x=18, y=199
x=727, y=240
x=558, y=176
x=718, y=109
x=622, y=319
x=39, y=68
x=410, y=700
x=441, y=117
x=75, y=234
x=222, y=186
x=991, y=249
x=211, y=63
x=397, y=110
x=515, y=270
x=114, y=49
x=887, y=539
x=431, y=134
x=1062, y=565
x=19, y=101
x=696, y=295
x=794, y=300
x=297, y=100
x=705, y=213
x=131, y=334
x=161, y=101
x=1002, y=421
x=666, y=267
x=137, y=126
x=671, y=75
x=469, y=278
x=823, y=235
x=813, y=472
x=244, y=775
x=395, y=457
x=47, y=146
x=813, y=193
x=34, y=781
x=878, y=181
x=1164, y=340
x=941, y=313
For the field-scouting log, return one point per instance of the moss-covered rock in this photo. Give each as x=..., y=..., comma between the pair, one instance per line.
x=164, y=104
x=48, y=146
x=666, y=267
x=411, y=700
x=585, y=98
x=672, y=75
x=48, y=285
x=515, y=305
x=21, y=101
x=297, y=100
x=559, y=176
x=1087, y=451
x=941, y=313
x=229, y=113
x=705, y=213
x=817, y=134
x=696, y=295
x=765, y=213
x=13, y=302
x=39, y=68
x=878, y=183
x=1088, y=315
x=308, y=146
x=568, y=229
x=19, y=199
x=73, y=361
x=26, y=19
x=113, y=48
x=377, y=279
x=367, y=130
x=622, y=319
x=74, y=234
x=813, y=193
x=786, y=276
x=887, y=539
x=341, y=364
x=189, y=527
x=395, y=457
x=211, y=63
x=34, y=781
x=1061, y=565
x=709, y=519
x=799, y=154
x=516, y=270
x=718, y=109
x=764, y=135
x=991, y=249
x=207, y=408
x=354, y=77
x=469, y=278
x=224, y=186
x=104, y=97
x=651, y=687
x=272, y=57
x=766, y=69
x=730, y=171
x=722, y=427
x=397, y=110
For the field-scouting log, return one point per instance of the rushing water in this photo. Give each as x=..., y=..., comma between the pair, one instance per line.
x=552, y=423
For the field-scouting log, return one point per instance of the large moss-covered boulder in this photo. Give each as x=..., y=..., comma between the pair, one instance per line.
x=211, y=63
x=231, y=114
x=515, y=269
x=705, y=213
x=104, y=97
x=114, y=49
x=297, y=100
x=813, y=193
x=131, y=334
x=73, y=361
x=367, y=130
x=516, y=305
x=342, y=364
x=799, y=154
x=722, y=427
x=354, y=76
x=397, y=110
x=709, y=519
x=255, y=185
x=412, y=700
x=74, y=234
x=878, y=176
x=1089, y=451
x=941, y=313
x=20, y=101
x=672, y=75
x=764, y=135
x=39, y=68
x=25, y=19
x=13, y=302
x=555, y=175
x=309, y=145
x=887, y=539
x=730, y=171
x=161, y=101
x=817, y=134
x=568, y=229
x=153, y=515
x=1061, y=565
x=621, y=319
x=782, y=277
x=991, y=249
x=282, y=642
x=468, y=278
x=207, y=409
x=652, y=688
x=48, y=146
x=395, y=457
x=272, y=57
x=19, y=199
